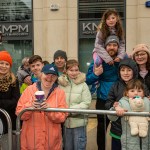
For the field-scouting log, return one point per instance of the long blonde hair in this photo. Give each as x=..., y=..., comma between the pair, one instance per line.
x=12, y=76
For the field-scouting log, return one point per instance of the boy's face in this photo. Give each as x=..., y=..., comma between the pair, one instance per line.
x=135, y=92
x=112, y=49
x=60, y=62
x=36, y=67
x=126, y=73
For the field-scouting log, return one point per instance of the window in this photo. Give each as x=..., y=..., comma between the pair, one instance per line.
x=16, y=10
x=16, y=28
x=90, y=14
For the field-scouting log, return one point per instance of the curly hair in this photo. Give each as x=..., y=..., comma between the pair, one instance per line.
x=104, y=28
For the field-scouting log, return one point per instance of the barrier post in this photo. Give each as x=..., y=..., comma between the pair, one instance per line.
x=9, y=123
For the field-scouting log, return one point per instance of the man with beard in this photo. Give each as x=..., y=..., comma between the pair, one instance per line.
x=60, y=58
x=105, y=75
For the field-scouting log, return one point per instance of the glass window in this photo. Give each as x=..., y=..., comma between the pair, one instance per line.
x=15, y=10
x=90, y=14
x=18, y=50
x=95, y=8
x=16, y=29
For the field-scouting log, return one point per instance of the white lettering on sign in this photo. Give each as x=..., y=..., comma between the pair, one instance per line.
x=89, y=28
x=14, y=28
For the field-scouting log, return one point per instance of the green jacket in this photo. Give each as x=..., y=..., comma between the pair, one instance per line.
x=78, y=96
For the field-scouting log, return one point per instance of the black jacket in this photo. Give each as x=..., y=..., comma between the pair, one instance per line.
x=146, y=80
x=116, y=93
x=8, y=102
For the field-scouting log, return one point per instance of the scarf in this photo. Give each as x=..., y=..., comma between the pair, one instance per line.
x=38, y=84
x=5, y=83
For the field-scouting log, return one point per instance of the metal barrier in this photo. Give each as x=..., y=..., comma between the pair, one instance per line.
x=9, y=128
x=84, y=111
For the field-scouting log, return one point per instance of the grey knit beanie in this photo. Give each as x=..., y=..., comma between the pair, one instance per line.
x=112, y=39
x=60, y=53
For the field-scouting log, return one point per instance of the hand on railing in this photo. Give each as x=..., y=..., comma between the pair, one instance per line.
x=120, y=111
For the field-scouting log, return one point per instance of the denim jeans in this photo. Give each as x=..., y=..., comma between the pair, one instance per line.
x=75, y=138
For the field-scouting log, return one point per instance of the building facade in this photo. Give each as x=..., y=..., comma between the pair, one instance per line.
x=62, y=24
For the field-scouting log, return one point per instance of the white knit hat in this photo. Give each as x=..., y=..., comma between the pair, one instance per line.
x=141, y=47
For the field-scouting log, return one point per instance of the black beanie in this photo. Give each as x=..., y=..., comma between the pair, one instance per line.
x=60, y=53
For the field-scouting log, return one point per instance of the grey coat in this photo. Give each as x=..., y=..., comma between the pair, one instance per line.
x=128, y=141
x=22, y=74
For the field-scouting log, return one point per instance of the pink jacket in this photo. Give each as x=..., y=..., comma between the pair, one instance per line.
x=41, y=130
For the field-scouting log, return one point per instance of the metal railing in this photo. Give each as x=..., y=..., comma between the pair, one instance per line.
x=84, y=111
x=9, y=123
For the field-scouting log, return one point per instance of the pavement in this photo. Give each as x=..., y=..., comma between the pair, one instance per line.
x=92, y=131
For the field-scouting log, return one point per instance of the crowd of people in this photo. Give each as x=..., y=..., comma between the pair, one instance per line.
x=118, y=79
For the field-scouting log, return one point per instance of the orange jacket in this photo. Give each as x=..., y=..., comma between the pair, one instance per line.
x=41, y=130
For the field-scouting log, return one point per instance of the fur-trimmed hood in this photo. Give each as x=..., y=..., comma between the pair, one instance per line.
x=63, y=80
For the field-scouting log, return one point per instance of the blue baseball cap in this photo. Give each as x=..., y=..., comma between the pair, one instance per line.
x=50, y=69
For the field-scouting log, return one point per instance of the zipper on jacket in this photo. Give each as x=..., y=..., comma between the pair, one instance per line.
x=69, y=102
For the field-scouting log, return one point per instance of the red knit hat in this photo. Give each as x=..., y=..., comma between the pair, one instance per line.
x=5, y=56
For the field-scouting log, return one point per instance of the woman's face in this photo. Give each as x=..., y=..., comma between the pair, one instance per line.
x=126, y=73
x=48, y=80
x=73, y=72
x=141, y=57
x=4, y=67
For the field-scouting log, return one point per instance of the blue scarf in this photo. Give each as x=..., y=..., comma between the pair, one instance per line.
x=38, y=84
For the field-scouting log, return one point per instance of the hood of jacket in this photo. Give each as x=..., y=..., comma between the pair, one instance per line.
x=131, y=64
x=64, y=80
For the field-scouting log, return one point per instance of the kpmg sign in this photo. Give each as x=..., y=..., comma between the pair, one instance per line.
x=88, y=29
x=16, y=31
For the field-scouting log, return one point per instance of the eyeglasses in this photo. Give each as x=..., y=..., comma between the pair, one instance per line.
x=141, y=54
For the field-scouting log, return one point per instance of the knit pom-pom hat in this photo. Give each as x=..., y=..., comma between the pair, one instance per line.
x=5, y=56
x=141, y=47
